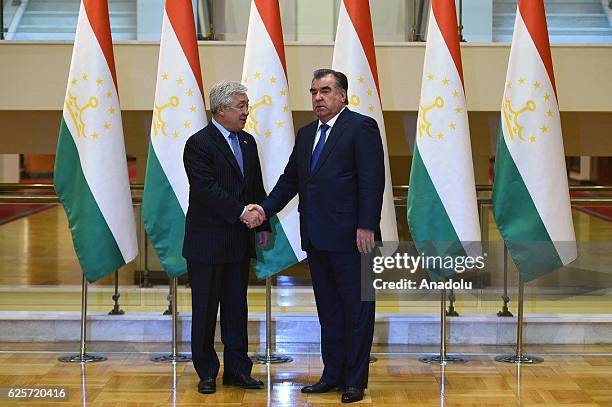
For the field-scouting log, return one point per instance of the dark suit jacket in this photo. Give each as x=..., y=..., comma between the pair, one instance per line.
x=343, y=192
x=217, y=195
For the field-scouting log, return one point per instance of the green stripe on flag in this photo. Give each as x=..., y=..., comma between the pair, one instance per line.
x=94, y=243
x=432, y=231
x=518, y=220
x=163, y=217
x=278, y=256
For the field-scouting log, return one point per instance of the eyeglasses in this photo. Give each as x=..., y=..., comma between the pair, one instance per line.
x=241, y=107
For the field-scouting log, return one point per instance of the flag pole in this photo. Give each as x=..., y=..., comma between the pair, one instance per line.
x=116, y=308
x=83, y=357
x=269, y=357
x=174, y=356
x=442, y=358
x=519, y=358
x=505, y=312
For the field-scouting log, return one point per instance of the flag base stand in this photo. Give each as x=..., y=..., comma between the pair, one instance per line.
x=519, y=358
x=442, y=359
x=269, y=358
x=173, y=357
x=272, y=359
x=83, y=357
x=86, y=358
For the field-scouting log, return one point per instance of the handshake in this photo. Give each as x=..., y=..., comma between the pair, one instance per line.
x=253, y=216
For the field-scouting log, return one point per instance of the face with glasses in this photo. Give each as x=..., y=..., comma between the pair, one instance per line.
x=234, y=116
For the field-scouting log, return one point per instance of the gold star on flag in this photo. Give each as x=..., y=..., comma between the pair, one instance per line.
x=283, y=92
x=186, y=125
x=544, y=129
x=549, y=113
x=192, y=109
x=452, y=126
x=445, y=81
x=74, y=82
x=267, y=133
x=361, y=80
x=371, y=108
x=84, y=77
x=99, y=82
x=165, y=76
x=440, y=136
x=369, y=92
x=111, y=110
x=175, y=134
x=107, y=126
x=430, y=77
x=286, y=108
x=257, y=75
x=547, y=97
x=521, y=81
x=455, y=93
x=536, y=85
x=280, y=124
x=180, y=81
x=508, y=85
x=95, y=135
x=273, y=79
x=245, y=78
x=458, y=110
x=532, y=139
x=190, y=92
x=109, y=93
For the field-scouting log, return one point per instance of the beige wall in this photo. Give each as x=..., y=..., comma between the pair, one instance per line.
x=33, y=80
x=33, y=76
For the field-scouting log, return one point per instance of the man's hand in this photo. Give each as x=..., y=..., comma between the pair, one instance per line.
x=263, y=239
x=251, y=217
x=258, y=209
x=365, y=240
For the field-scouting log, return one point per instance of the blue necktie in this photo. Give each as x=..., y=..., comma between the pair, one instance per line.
x=237, y=151
x=319, y=147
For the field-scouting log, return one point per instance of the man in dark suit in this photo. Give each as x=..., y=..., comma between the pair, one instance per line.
x=223, y=169
x=337, y=168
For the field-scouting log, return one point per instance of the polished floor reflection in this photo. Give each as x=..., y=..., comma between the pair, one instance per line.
x=396, y=379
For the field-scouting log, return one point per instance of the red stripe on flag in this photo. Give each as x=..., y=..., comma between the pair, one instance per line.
x=180, y=14
x=446, y=17
x=534, y=16
x=97, y=14
x=269, y=12
x=359, y=13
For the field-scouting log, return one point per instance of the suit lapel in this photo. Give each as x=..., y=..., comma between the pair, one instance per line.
x=224, y=148
x=310, y=132
x=332, y=138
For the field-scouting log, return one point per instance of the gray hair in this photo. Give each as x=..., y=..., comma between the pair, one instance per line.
x=222, y=92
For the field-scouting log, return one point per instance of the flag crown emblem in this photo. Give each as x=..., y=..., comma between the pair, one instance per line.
x=76, y=112
x=526, y=110
x=252, y=124
x=443, y=96
x=159, y=124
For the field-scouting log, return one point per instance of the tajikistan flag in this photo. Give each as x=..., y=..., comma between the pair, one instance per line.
x=270, y=122
x=354, y=55
x=91, y=177
x=178, y=112
x=442, y=210
x=530, y=193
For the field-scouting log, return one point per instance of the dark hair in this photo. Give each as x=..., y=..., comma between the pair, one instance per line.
x=341, y=80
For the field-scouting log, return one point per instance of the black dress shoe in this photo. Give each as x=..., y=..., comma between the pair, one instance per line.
x=207, y=386
x=242, y=380
x=352, y=394
x=319, y=387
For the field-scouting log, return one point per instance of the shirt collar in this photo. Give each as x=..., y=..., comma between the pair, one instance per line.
x=224, y=132
x=331, y=121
